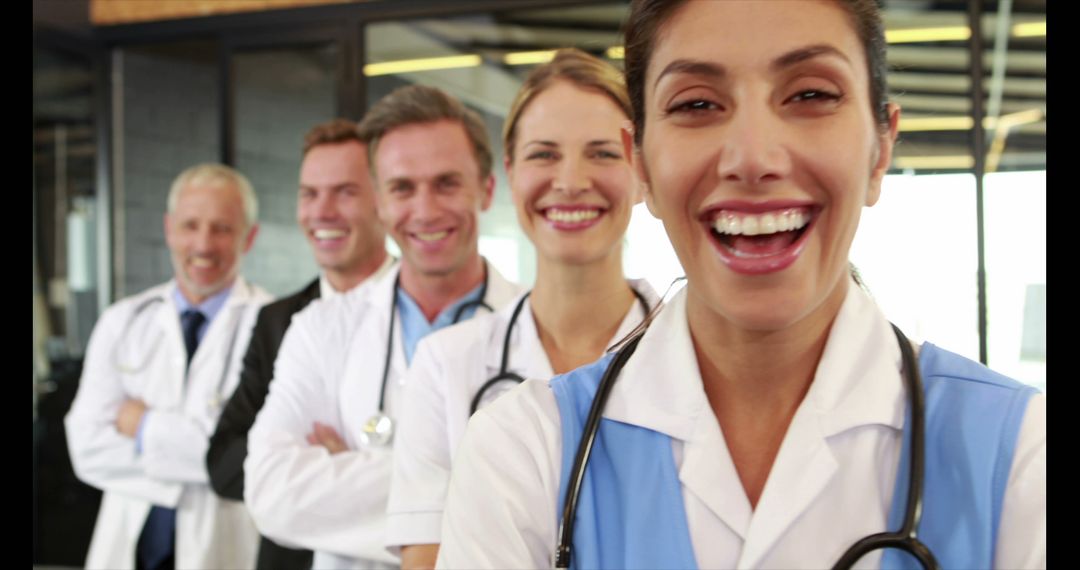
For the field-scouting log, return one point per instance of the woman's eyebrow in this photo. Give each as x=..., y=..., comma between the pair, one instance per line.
x=692, y=67
x=718, y=71
x=802, y=54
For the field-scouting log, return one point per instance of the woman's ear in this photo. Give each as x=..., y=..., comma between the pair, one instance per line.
x=886, y=143
x=637, y=162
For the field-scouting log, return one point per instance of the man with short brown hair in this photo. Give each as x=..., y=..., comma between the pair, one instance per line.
x=319, y=466
x=336, y=211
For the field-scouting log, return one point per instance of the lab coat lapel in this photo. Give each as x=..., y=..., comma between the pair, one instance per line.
x=362, y=365
x=854, y=385
x=660, y=386
x=499, y=291
x=220, y=342
x=802, y=469
x=663, y=392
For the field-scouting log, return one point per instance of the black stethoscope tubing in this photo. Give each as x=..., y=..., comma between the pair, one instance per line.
x=478, y=303
x=506, y=375
x=120, y=367
x=905, y=539
x=216, y=398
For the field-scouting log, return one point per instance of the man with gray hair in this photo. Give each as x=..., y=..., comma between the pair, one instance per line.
x=157, y=367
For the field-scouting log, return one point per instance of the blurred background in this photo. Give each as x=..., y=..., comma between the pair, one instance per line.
x=128, y=93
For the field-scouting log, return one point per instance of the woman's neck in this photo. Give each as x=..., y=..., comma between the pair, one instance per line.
x=756, y=380
x=578, y=309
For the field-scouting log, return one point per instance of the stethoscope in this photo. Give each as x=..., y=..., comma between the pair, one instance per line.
x=506, y=375
x=216, y=398
x=905, y=539
x=379, y=429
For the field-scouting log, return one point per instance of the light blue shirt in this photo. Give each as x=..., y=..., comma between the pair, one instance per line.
x=415, y=326
x=210, y=309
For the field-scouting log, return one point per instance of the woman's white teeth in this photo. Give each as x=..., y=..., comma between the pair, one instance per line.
x=570, y=216
x=751, y=225
x=433, y=236
x=329, y=234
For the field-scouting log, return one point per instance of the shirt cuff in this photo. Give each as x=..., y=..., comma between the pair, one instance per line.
x=404, y=529
x=139, y=432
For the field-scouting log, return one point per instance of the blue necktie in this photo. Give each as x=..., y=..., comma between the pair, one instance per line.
x=191, y=320
x=157, y=542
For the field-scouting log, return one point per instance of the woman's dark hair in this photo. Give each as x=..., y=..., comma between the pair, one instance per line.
x=648, y=16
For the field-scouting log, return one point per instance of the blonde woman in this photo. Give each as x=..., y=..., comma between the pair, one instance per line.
x=573, y=189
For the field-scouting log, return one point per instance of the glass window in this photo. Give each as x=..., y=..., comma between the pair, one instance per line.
x=1014, y=203
x=916, y=252
x=917, y=248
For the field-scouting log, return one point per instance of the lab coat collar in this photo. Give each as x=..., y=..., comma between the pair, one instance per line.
x=499, y=290
x=327, y=291
x=527, y=355
x=375, y=296
x=240, y=294
x=527, y=352
x=660, y=386
x=857, y=381
x=376, y=292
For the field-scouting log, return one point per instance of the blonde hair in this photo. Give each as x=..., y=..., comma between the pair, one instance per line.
x=571, y=65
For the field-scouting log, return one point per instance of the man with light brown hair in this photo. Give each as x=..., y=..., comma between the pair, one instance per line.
x=336, y=211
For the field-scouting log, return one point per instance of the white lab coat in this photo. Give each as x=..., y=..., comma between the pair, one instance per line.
x=143, y=356
x=831, y=482
x=448, y=370
x=329, y=370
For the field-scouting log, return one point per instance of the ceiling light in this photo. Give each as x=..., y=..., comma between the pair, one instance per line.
x=423, y=64
x=914, y=124
x=529, y=57
x=933, y=162
x=963, y=123
x=912, y=35
x=1029, y=30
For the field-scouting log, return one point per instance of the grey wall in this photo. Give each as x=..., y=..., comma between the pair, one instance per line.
x=281, y=94
x=170, y=121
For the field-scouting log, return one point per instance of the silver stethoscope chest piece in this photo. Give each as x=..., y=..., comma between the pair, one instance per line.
x=378, y=431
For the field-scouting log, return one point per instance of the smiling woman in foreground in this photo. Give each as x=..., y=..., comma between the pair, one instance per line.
x=770, y=416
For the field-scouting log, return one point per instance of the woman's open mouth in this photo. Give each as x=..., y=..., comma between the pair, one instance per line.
x=760, y=242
